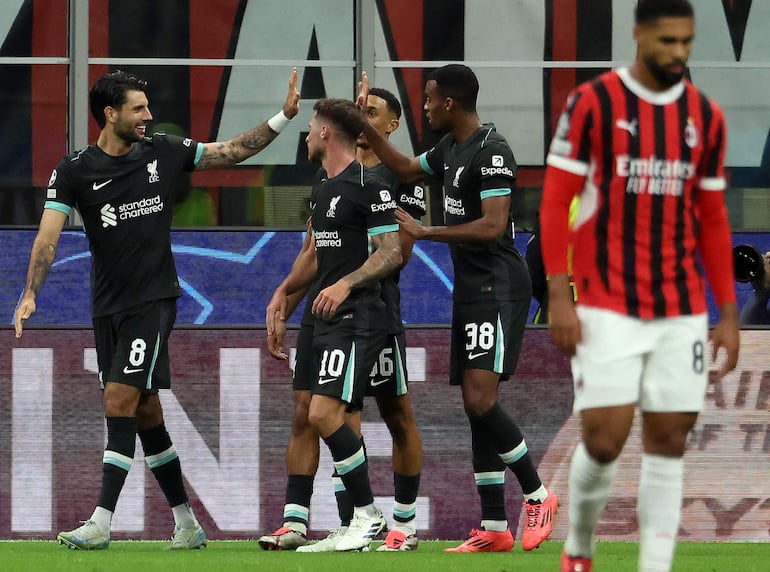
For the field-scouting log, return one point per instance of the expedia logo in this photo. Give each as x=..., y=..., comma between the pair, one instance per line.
x=419, y=192
x=390, y=205
x=410, y=200
x=492, y=171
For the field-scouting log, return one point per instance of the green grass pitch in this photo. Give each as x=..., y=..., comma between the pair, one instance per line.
x=246, y=555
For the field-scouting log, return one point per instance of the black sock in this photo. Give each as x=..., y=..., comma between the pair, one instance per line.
x=118, y=454
x=350, y=463
x=406, y=488
x=161, y=456
x=510, y=445
x=299, y=490
x=489, y=472
x=344, y=502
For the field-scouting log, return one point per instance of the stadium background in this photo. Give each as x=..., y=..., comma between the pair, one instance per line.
x=217, y=67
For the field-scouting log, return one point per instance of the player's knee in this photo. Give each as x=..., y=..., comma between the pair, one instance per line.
x=398, y=425
x=300, y=422
x=322, y=420
x=603, y=450
x=397, y=415
x=667, y=445
x=477, y=403
x=120, y=401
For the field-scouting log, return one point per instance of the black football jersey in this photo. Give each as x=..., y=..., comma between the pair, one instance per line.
x=411, y=198
x=347, y=211
x=480, y=167
x=126, y=205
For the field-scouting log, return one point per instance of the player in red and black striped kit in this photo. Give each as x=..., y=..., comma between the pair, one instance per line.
x=644, y=150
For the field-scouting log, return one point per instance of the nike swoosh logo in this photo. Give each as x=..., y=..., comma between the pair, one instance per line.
x=128, y=371
x=321, y=381
x=474, y=356
x=98, y=186
x=376, y=383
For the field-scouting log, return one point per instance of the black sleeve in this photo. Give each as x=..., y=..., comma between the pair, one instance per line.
x=411, y=198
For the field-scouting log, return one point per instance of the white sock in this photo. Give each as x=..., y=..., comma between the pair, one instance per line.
x=103, y=518
x=495, y=525
x=369, y=510
x=408, y=528
x=298, y=526
x=183, y=515
x=659, y=509
x=589, y=489
x=538, y=496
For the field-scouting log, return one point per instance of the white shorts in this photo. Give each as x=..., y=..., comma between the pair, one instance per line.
x=661, y=365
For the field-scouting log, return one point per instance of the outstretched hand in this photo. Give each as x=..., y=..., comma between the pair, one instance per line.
x=291, y=106
x=363, y=92
x=26, y=308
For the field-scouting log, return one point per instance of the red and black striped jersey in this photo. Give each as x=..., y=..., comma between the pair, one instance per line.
x=648, y=168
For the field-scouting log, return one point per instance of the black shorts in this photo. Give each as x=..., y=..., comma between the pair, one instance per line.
x=487, y=335
x=305, y=366
x=132, y=345
x=344, y=360
x=388, y=376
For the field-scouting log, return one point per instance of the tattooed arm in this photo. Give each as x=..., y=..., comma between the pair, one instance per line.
x=382, y=262
x=40, y=261
x=228, y=153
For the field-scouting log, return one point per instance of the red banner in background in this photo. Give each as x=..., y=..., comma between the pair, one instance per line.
x=229, y=414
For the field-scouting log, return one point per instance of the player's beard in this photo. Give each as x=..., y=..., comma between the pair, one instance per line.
x=315, y=155
x=437, y=127
x=127, y=133
x=663, y=74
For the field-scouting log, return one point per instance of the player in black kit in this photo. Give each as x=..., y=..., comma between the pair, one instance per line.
x=491, y=295
x=388, y=384
x=123, y=186
x=350, y=207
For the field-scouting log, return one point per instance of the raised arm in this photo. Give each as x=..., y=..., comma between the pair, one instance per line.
x=407, y=169
x=40, y=260
x=228, y=153
x=385, y=259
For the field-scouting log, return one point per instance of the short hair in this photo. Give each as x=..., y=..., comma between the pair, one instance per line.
x=110, y=90
x=647, y=11
x=391, y=102
x=344, y=114
x=458, y=82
